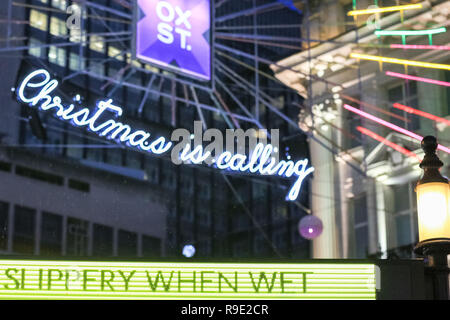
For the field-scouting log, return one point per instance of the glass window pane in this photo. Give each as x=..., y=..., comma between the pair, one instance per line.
x=103, y=241
x=38, y=20
x=401, y=197
x=361, y=241
x=77, y=237
x=35, y=48
x=127, y=244
x=403, y=227
x=24, y=222
x=151, y=247
x=360, y=207
x=58, y=27
x=51, y=234
x=4, y=207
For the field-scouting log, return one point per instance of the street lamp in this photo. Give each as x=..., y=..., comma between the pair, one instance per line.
x=433, y=210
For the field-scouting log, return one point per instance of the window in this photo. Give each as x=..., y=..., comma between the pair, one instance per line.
x=359, y=206
x=79, y=185
x=103, y=241
x=39, y=175
x=35, y=48
x=404, y=214
x=406, y=94
x=403, y=228
x=77, y=35
x=60, y=4
x=97, y=43
x=51, y=234
x=76, y=151
x=114, y=52
x=24, y=223
x=127, y=246
x=348, y=20
x=151, y=247
x=77, y=237
x=38, y=20
x=97, y=68
x=58, y=27
x=57, y=56
x=4, y=207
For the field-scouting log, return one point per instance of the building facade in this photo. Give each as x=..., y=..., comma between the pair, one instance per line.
x=364, y=190
x=66, y=192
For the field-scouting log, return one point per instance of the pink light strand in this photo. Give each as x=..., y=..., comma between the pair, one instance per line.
x=391, y=126
x=414, y=78
x=388, y=143
x=421, y=113
x=419, y=46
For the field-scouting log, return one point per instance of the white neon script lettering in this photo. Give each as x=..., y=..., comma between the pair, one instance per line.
x=110, y=129
x=259, y=161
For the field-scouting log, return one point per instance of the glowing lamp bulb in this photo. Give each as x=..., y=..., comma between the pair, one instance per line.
x=433, y=208
x=310, y=227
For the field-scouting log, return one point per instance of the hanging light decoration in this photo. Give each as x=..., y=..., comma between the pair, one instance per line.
x=188, y=251
x=310, y=227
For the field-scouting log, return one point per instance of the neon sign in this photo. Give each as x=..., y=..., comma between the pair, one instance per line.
x=28, y=279
x=99, y=122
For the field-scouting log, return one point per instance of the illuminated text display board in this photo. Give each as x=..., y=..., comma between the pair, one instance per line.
x=175, y=34
x=26, y=279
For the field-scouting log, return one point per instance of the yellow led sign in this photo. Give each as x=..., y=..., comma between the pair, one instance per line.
x=27, y=279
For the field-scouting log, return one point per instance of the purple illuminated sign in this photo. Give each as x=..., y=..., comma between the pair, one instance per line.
x=175, y=34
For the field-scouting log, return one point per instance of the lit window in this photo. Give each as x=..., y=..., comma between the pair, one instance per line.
x=38, y=20
x=58, y=27
x=97, y=44
x=114, y=52
x=75, y=63
x=35, y=48
x=57, y=56
x=76, y=35
x=97, y=68
x=60, y=4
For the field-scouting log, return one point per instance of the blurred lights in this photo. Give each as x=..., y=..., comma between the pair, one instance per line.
x=421, y=113
x=433, y=209
x=400, y=61
x=310, y=227
x=388, y=143
x=390, y=125
x=385, y=9
x=188, y=251
x=414, y=78
x=409, y=32
x=419, y=47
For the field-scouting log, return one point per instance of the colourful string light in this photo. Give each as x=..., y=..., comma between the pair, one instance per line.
x=385, y=9
x=388, y=143
x=419, y=47
x=390, y=125
x=414, y=78
x=400, y=61
x=409, y=32
x=421, y=113
x=405, y=33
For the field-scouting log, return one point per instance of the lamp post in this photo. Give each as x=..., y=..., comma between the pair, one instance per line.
x=433, y=210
